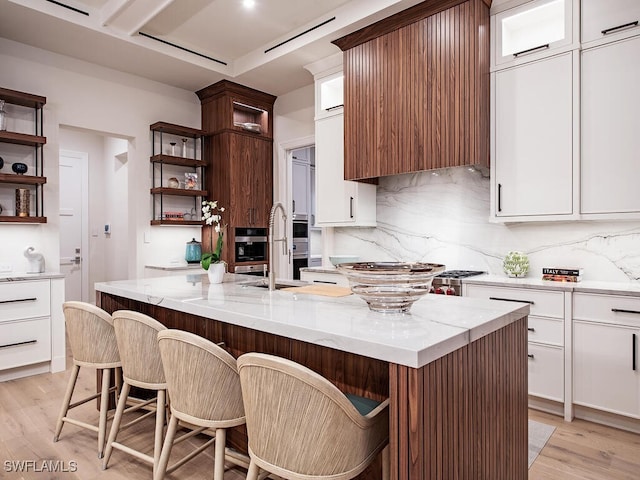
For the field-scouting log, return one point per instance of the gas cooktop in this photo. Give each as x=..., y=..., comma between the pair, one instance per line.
x=459, y=273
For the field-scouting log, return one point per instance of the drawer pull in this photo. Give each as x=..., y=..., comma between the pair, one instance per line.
x=19, y=300
x=28, y=342
x=634, y=351
x=530, y=355
x=532, y=50
x=325, y=281
x=511, y=300
x=607, y=31
x=622, y=310
x=531, y=329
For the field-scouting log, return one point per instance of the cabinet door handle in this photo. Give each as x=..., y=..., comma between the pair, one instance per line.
x=530, y=50
x=530, y=355
x=499, y=197
x=28, y=342
x=634, y=351
x=530, y=302
x=350, y=207
x=324, y=281
x=622, y=310
x=531, y=329
x=19, y=300
x=294, y=206
x=334, y=107
x=607, y=31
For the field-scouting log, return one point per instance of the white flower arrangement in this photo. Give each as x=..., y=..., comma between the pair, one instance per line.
x=211, y=214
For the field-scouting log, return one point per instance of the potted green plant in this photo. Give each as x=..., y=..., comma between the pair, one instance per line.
x=212, y=261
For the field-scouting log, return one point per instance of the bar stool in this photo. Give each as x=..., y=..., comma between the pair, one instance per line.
x=136, y=335
x=93, y=344
x=300, y=426
x=204, y=388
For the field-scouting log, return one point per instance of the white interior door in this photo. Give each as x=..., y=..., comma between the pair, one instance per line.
x=74, y=224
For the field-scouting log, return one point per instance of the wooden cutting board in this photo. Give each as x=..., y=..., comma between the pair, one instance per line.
x=326, y=290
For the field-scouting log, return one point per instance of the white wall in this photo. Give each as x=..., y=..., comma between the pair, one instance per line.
x=90, y=97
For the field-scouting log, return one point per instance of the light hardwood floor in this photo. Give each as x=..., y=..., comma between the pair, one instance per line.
x=29, y=407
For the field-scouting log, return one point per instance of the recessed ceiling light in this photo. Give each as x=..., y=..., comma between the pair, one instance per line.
x=249, y=3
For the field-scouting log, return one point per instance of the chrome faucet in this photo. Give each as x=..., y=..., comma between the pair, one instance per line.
x=272, y=216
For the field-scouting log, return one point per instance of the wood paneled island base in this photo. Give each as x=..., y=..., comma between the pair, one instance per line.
x=462, y=416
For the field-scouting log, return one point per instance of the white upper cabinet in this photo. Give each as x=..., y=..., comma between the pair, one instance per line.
x=609, y=19
x=610, y=172
x=533, y=161
x=531, y=31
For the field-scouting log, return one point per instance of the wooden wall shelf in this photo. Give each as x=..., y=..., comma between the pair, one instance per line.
x=22, y=179
x=181, y=161
x=178, y=223
x=23, y=219
x=22, y=139
x=183, y=192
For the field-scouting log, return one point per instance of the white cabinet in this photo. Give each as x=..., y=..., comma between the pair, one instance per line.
x=32, y=338
x=533, y=136
x=339, y=202
x=606, y=336
x=610, y=19
x=312, y=196
x=610, y=97
x=549, y=362
x=531, y=31
x=300, y=175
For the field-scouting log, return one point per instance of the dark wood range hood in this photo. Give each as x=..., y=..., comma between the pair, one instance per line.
x=417, y=90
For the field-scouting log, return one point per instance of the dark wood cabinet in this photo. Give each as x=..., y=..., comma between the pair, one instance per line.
x=417, y=90
x=238, y=149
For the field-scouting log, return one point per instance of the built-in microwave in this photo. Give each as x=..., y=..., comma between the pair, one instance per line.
x=250, y=245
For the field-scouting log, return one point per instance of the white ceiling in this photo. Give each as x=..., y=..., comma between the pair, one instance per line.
x=196, y=42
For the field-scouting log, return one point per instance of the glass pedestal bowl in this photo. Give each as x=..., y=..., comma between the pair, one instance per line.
x=390, y=287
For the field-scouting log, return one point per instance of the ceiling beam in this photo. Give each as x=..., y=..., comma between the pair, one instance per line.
x=111, y=10
x=158, y=6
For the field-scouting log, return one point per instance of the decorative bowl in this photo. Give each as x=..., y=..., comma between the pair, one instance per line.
x=338, y=259
x=19, y=168
x=390, y=287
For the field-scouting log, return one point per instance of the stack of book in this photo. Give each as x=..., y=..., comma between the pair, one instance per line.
x=562, y=274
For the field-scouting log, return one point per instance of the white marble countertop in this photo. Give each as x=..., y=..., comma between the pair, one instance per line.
x=436, y=326
x=20, y=277
x=586, y=286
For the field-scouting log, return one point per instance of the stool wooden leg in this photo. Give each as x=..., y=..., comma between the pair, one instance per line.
x=218, y=466
x=160, y=417
x=159, y=473
x=66, y=401
x=104, y=407
x=386, y=465
x=252, y=474
x=115, y=426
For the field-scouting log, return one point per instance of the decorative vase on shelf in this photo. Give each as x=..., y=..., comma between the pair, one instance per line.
x=184, y=148
x=3, y=116
x=19, y=168
x=516, y=264
x=216, y=272
x=173, y=148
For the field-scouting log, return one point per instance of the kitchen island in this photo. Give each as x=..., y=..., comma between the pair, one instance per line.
x=454, y=369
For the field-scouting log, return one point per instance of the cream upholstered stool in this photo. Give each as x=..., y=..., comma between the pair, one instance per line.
x=300, y=426
x=204, y=388
x=137, y=335
x=93, y=344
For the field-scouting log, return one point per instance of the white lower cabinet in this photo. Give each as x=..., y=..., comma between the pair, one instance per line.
x=606, y=345
x=324, y=277
x=546, y=346
x=32, y=338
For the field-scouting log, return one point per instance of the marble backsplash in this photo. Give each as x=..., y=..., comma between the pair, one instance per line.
x=442, y=217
